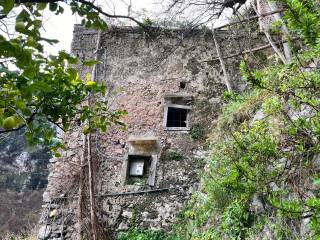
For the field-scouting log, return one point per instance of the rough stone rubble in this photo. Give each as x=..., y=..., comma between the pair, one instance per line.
x=146, y=76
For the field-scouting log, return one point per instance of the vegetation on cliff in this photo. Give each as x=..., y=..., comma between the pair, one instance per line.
x=261, y=178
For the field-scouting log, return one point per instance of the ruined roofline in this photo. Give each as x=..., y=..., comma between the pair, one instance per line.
x=158, y=31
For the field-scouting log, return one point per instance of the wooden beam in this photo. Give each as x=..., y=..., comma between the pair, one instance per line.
x=250, y=50
x=223, y=66
x=249, y=19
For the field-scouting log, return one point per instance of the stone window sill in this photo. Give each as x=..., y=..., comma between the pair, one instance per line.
x=177, y=129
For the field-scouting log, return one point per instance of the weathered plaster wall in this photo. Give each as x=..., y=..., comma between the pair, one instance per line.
x=142, y=73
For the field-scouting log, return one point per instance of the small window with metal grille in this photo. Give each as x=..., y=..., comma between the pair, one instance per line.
x=176, y=117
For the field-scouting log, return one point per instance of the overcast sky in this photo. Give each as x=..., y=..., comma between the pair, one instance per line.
x=61, y=27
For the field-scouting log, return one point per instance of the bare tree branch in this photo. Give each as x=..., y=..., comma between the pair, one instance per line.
x=250, y=18
x=90, y=4
x=251, y=50
x=223, y=66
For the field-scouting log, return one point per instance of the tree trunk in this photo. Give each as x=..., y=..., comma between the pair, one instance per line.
x=265, y=24
x=286, y=34
x=91, y=173
x=275, y=48
x=80, y=191
x=93, y=218
x=223, y=66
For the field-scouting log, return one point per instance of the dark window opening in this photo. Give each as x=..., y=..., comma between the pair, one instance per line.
x=177, y=117
x=183, y=85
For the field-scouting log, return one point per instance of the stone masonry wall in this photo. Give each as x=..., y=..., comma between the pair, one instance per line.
x=144, y=75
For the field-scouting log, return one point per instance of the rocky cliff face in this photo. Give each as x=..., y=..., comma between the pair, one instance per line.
x=23, y=176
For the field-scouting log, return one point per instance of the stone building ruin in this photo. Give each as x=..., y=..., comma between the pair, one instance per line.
x=172, y=90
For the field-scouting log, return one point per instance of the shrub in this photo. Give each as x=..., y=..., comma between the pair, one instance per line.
x=174, y=155
x=136, y=234
x=197, y=132
x=271, y=159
